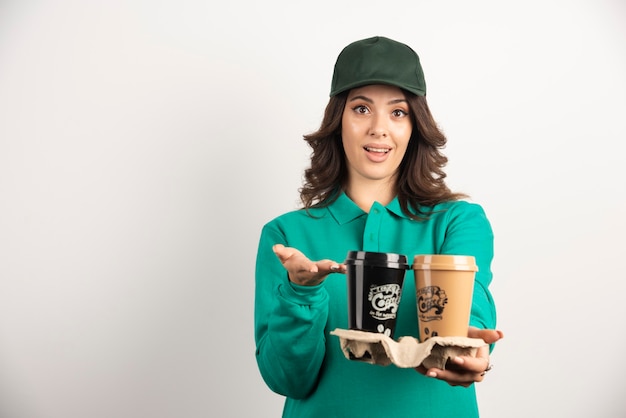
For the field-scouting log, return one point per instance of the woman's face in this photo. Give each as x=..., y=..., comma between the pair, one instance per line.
x=376, y=128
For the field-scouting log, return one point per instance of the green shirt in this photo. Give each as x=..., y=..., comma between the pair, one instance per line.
x=295, y=353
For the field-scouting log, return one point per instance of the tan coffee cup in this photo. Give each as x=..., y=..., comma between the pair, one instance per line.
x=444, y=285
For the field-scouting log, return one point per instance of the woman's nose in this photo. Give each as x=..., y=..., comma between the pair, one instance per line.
x=378, y=128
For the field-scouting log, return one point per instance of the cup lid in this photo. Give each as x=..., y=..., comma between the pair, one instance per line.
x=379, y=259
x=444, y=262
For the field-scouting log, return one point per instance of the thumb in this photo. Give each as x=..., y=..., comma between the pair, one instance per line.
x=284, y=253
x=489, y=336
x=280, y=251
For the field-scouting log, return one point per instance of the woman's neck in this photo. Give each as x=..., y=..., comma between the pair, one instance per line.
x=364, y=195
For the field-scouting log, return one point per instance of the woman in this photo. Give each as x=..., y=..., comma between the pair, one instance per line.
x=376, y=183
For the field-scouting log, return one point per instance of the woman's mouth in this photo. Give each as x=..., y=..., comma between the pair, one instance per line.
x=377, y=153
x=380, y=150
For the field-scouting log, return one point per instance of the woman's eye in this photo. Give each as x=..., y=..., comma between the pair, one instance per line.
x=361, y=109
x=399, y=113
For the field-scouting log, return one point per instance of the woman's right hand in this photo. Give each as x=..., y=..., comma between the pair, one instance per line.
x=303, y=271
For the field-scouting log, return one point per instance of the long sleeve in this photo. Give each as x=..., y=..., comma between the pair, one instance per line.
x=289, y=323
x=469, y=233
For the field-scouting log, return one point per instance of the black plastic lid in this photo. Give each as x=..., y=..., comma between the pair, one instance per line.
x=371, y=258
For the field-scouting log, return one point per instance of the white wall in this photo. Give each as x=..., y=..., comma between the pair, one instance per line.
x=143, y=145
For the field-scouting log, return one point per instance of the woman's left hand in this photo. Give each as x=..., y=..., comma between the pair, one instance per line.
x=466, y=370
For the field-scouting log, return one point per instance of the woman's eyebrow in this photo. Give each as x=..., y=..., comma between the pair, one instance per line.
x=367, y=99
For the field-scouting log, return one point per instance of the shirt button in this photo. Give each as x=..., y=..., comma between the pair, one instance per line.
x=376, y=210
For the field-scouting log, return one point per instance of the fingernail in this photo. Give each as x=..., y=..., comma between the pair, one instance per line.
x=334, y=267
x=432, y=374
x=458, y=360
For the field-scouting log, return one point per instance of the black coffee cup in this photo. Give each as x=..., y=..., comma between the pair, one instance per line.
x=374, y=290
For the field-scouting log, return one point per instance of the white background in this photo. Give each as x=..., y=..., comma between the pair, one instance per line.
x=143, y=145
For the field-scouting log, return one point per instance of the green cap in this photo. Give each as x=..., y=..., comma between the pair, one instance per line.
x=378, y=60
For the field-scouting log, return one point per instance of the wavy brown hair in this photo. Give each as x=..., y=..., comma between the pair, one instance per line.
x=421, y=179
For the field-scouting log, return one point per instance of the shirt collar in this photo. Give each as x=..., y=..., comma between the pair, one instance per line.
x=344, y=210
x=394, y=207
